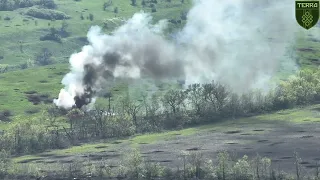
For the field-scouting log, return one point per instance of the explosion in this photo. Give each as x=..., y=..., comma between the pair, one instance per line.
x=240, y=43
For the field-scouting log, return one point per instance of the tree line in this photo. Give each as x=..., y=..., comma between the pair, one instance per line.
x=172, y=109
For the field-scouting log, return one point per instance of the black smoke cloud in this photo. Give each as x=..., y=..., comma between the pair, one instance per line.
x=241, y=43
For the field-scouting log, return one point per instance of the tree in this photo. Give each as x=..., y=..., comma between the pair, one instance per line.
x=91, y=17
x=195, y=95
x=63, y=32
x=233, y=105
x=133, y=2
x=21, y=46
x=154, y=9
x=107, y=4
x=175, y=99
x=143, y=3
x=153, y=109
x=98, y=116
x=183, y=15
x=50, y=4
x=132, y=108
x=247, y=104
x=216, y=94
x=44, y=57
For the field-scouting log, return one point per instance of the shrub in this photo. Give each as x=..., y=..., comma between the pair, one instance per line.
x=10, y=5
x=32, y=110
x=5, y=115
x=4, y=68
x=91, y=17
x=44, y=57
x=63, y=32
x=54, y=35
x=133, y=2
x=47, y=14
x=7, y=18
x=24, y=65
x=107, y=4
x=50, y=4
x=183, y=15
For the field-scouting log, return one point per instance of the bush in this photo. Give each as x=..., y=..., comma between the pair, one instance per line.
x=183, y=15
x=47, y=14
x=5, y=115
x=44, y=57
x=54, y=35
x=50, y=4
x=9, y=5
x=107, y=4
x=7, y=18
x=32, y=110
x=4, y=68
x=133, y=2
x=91, y=17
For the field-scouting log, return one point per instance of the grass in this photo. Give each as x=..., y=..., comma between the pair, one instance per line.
x=293, y=116
x=152, y=138
x=308, y=48
x=301, y=115
x=28, y=29
x=20, y=43
x=22, y=32
x=16, y=86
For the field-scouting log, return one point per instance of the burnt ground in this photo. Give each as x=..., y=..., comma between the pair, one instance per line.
x=274, y=139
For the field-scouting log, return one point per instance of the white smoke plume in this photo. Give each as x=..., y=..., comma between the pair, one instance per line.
x=240, y=43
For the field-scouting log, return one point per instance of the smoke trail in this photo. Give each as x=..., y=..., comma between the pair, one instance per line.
x=238, y=42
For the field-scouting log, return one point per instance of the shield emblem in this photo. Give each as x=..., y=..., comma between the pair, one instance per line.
x=307, y=13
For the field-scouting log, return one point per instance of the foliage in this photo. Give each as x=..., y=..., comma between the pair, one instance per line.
x=47, y=14
x=44, y=57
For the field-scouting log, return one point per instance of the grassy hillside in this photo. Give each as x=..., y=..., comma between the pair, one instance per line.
x=20, y=37
x=20, y=32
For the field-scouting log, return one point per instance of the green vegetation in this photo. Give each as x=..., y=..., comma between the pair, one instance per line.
x=134, y=166
x=19, y=89
x=47, y=14
x=38, y=36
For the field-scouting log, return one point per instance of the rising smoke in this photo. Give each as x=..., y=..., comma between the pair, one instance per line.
x=240, y=43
